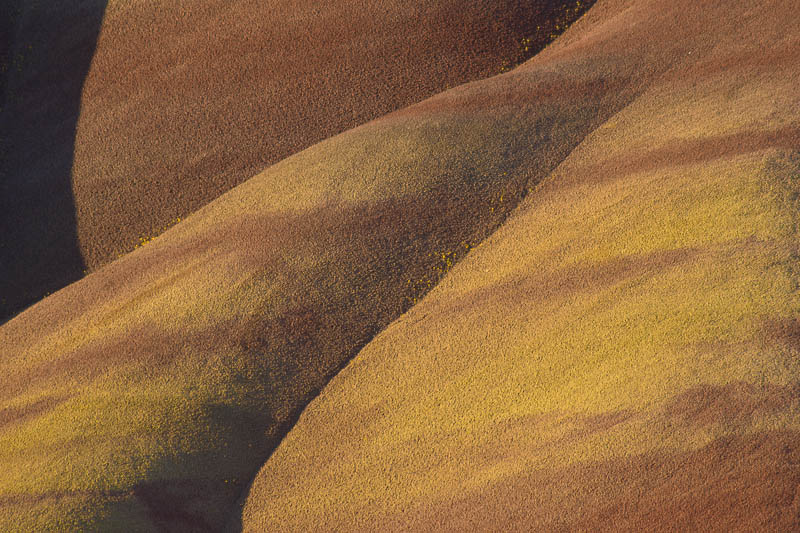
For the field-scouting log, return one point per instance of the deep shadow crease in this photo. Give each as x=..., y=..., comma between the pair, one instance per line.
x=46, y=49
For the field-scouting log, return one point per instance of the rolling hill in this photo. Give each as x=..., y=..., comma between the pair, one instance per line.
x=147, y=394
x=564, y=297
x=622, y=354
x=122, y=117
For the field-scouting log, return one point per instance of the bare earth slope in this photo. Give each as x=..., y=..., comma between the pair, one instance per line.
x=623, y=353
x=147, y=395
x=186, y=99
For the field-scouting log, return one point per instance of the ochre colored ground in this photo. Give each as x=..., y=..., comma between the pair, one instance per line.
x=563, y=298
x=623, y=353
x=134, y=114
x=150, y=392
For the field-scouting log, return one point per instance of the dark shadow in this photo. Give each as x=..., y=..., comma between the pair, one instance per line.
x=553, y=19
x=46, y=49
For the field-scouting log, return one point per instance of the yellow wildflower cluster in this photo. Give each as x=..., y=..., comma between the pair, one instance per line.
x=497, y=201
x=147, y=239
x=417, y=288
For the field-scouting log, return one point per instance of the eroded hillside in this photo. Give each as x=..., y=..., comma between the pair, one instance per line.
x=149, y=393
x=560, y=298
x=123, y=117
x=622, y=355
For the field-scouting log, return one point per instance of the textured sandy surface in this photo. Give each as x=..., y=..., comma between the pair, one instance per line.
x=623, y=353
x=124, y=118
x=563, y=298
x=148, y=394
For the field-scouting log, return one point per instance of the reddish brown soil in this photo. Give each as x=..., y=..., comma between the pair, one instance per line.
x=184, y=100
x=733, y=484
x=182, y=103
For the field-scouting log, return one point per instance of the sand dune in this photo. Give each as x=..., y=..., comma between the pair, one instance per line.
x=561, y=298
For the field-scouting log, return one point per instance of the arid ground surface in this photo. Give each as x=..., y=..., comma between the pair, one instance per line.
x=366, y=266
x=132, y=114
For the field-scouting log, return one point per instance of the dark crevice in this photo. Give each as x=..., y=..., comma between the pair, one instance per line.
x=235, y=522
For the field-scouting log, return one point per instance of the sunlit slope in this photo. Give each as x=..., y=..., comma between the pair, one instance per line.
x=623, y=353
x=148, y=394
x=173, y=102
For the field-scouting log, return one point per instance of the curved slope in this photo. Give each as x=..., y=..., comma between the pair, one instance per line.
x=187, y=99
x=149, y=393
x=622, y=354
